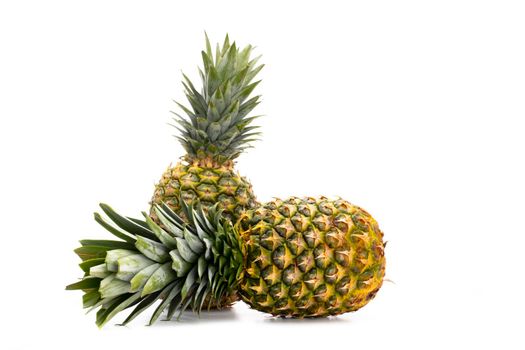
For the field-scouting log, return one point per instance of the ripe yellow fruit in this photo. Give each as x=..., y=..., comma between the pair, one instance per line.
x=308, y=257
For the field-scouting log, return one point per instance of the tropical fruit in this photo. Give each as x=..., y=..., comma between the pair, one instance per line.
x=215, y=130
x=300, y=257
x=309, y=257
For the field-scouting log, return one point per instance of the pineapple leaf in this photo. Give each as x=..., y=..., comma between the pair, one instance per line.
x=201, y=266
x=113, y=255
x=185, y=251
x=139, y=222
x=142, y=305
x=110, y=287
x=140, y=279
x=167, y=294
x=153, y=250
x=91, y=252
x=162, y=235
x=107, y=244
x=129, y=266
x=193, y=241
x=90, y=298
x=204, y=295
x=175, y=305
x=113, y=230
x=209, y=52
x=180, y=265
x=126, y=224
x=99, y=271
x=159, y=279
x=200, y=295
x=226, y=77
x=187, y=301
x=169, y=224
x=214, y=130
x=87, y=264
x=107, y=309
x=118, y=307
x=190, y=282
x=85, y=284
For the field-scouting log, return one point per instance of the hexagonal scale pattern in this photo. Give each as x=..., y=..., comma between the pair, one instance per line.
x=311, y=257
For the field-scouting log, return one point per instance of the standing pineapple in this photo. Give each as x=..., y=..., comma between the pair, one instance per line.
x=215, y=130
x=301, y=257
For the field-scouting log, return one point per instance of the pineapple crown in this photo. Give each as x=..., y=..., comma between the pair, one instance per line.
x=217, y=125
x=180, y=263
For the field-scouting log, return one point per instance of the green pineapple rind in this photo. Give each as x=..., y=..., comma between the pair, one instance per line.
x=207, y=186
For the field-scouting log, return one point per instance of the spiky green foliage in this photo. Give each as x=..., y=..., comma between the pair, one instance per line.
x=217, y=125
x=181, y=264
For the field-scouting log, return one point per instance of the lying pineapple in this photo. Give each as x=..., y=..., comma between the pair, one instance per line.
x=310, y=257
x=294, y=258
x=214, y=132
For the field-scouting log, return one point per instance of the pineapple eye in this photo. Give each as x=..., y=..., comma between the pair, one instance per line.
x=330, y=274
x=343, y=223
x=296, y=244
x=310, y=279
x=342, y=256
x=320, y=293
x=321, y=256
x=342, y=287
x=305, y=210
x=326, y=208
x=290, y=275
x=278, y=256
x=333, y=238
x=269, y=239
x=311, y=238
x=276, y=291
x=281, y=305
x=300, y=223
x=296, y=291
x=284, y=210
x=305, y=261
x=321, y=222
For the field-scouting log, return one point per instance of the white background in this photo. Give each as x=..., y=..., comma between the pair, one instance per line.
x=411, y=109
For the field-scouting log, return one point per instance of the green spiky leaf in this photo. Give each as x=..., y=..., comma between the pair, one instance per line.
x=84, y=284
x=159, y=279
x=186, y=263
x=226, y=76
x=153, y=250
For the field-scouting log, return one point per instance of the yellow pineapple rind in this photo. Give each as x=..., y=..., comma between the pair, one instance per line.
x=207, y=184
x=309, y=257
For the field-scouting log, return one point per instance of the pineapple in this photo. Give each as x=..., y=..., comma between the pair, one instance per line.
x=300, y=257
x=310, y=257
x=215, y=131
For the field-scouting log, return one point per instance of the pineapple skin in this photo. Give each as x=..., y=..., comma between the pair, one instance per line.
x=310, y=257
x=207, y=183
